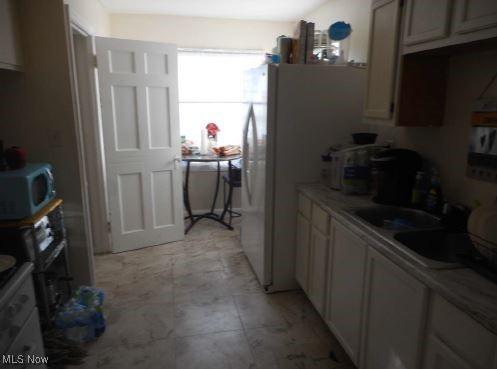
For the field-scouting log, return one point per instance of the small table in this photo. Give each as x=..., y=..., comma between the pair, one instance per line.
x=194, y=218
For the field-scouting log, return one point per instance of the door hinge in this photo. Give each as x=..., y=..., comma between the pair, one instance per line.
x=95, y=62
x=109, y=227
x=392, y=107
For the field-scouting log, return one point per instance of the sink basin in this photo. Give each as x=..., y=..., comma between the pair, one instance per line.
x=416, y=234
x=397, y=219
x=437, y=245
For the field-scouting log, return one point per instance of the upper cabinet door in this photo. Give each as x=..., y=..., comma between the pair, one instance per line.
x=10, y=41
x=383, y=55
x=474, y=15
x=426, y=20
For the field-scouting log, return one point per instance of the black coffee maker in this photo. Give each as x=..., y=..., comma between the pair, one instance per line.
x=394, y=174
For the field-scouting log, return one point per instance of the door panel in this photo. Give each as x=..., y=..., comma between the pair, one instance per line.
x=163, y=207
x=130, y=190
x=427, y=20
x=474, y=15
x=156, y=63
x=439, y=356
x=139, y=103
x=159, y=118
x=302, y=251
x=125, y=122
x=346, y=288
x=382, y=60
x=318, y=268
x=395, y=311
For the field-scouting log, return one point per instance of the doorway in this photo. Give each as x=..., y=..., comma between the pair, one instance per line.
x=126, y=93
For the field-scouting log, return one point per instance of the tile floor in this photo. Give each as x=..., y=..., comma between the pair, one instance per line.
x=196, y=304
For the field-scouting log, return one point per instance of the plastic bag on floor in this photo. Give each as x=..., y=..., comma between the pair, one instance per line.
x=82, y=318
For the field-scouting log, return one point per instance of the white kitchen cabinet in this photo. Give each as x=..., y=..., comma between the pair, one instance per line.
x=302, y=251
x=10, y=43
x=382, y=59
x=305, y=206
x=455, y=340
x=431, y=25
x=439, y=356
x=394, y=316
x=346, y=288
x=318, y=267
x=426, y=20
x=475, y=15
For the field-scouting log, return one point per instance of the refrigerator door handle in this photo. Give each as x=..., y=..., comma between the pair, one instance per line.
x=245, y=153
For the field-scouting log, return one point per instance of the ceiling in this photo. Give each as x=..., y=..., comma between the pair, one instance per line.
x=272, y=10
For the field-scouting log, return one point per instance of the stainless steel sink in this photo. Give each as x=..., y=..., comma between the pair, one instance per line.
x=412, y=233
x=437, y=245
x=396, y=218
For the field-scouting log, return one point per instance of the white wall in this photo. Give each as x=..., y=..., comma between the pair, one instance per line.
x=91, y=15
x=447, y=146
x=355, y=12
x=199, y=32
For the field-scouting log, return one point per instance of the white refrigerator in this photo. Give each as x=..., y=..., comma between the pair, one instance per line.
x=295, y=113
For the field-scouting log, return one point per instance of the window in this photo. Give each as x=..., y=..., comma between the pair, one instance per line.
x=211, y=90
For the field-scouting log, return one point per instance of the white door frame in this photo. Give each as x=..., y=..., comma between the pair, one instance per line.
x=91, y=150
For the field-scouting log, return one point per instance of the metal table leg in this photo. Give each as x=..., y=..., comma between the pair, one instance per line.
x=194, y=218
x=216, y=191
x=186, y=198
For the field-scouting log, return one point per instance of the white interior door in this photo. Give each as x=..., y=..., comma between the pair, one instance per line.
x=138, y=84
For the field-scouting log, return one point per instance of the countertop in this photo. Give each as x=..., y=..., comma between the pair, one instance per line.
x=466, y=289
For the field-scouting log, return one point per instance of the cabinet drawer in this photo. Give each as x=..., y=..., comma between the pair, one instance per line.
x=320, y=220
x=469, y=340
x=305, y=206
x=14, y=313
x=29, y=342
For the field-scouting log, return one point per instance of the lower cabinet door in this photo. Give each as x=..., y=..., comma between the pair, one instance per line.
x=346, y=288
x=439, y=356
x=318, y=269
x=395, y=313
x=28, y=345
x=302, y=252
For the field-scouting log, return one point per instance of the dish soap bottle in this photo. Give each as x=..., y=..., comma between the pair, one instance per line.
x=434, y=198
x=419, y=191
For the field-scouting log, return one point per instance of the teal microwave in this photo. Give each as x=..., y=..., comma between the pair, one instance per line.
x=23, y=192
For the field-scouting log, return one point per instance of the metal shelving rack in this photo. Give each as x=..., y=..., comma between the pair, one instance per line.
x=19, y=238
